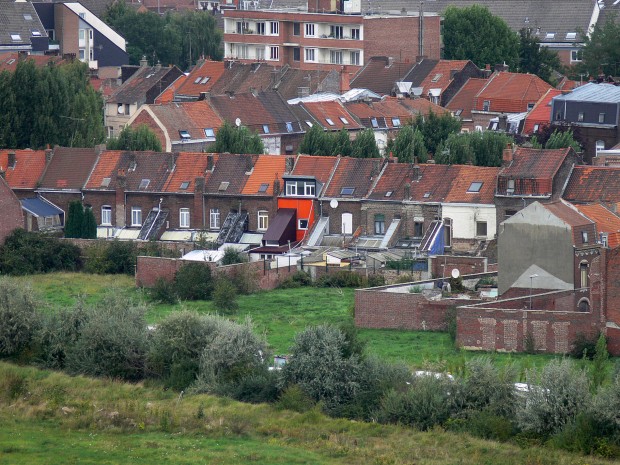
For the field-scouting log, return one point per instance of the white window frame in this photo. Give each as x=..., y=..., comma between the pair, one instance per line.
x=260, y=53
x=354, y=57
x=274, y=28
x=184, y=218
x=310, y=55
x=310, y=30
x=335, y=57
x=260, y=28
x=309, y=189
x=575, y=56
x=106, y=215
x=274, y=53
x=214, y=218
x=299, y=224
x=356, y=33
x=136, y=216
x=291, y=187
x=600, y=145
x=263, y=220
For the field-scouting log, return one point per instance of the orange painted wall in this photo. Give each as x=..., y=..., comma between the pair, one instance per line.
x=305, y=209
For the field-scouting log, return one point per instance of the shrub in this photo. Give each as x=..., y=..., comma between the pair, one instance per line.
x=256, y=387
x=426, y=403
x=194, y=282
x=176, y=346
x=415, y=290
x=244, y=278
x=340, y=279
x=297, y=279
x=375, y=280
x=450, y=322
x=225, y=295
x=319, y=366
x=232, y=256
x=29, y=253
x=114, y=257
x=233, y=353
x=294, y=398
x=19, y=319
x=554, y=399
x=58, y=334
x=162, y=292
x=113, y=341
x=584, y=346
x=484, y=424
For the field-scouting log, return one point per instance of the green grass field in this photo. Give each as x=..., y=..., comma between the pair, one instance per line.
x=51, y=418
x=279, y=315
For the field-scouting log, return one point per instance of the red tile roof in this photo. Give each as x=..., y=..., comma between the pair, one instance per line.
x=465, y=185
x=335, y=111
x=319, y=167
x=105, y=86
x=592, y=184
x=567, y=213
x=606, y=221
x=208, y=70
x=266, y=170
x=105, y=167
x=188, y=167
x=168, y=95
x=354, y=173
x=9, y=60
x=380, y=75
x=535, y=163
x=511, y=92
x=421, y=106
x=383, y=110
x=541, y=113
x=441, y=75
x=69, y=168
x=230, y=174
x=29, y=166
x=463, y=100
x=427, y=183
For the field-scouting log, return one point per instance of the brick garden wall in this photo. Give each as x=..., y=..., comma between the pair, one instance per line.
x=443, y=265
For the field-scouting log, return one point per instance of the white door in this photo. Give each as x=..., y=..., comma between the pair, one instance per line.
x=347, y=223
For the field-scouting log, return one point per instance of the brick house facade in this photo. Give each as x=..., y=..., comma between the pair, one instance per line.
x=12, y=215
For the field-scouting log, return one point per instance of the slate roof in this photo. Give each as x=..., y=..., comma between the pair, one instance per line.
x=241, y=78
x=9, y=60
x=188, y=167
x=257, y=110
x=535, y=163
x=333, y=110
x=511, y=92
x=69, y=168
x=266, y=170
x=40, y=208
x=460, y=191
x=541, y=113
x=320, y=168
x=194, y=84
x=606, y=221
x=419, y=72
x=19, y=18
x=463, y=100
x=320, y=80
x=379, y=75
x=29, y=165
x=231, y=169
x=356, y=173
x=591, y=184
x=428, y=183
x=143, y=80
x=193, y=117
x=169, y=94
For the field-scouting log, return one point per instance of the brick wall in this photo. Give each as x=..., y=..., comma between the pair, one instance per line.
x=376, y=308
x=12, y=216
x=150, y=269
x=145, y=118
x=443, y=265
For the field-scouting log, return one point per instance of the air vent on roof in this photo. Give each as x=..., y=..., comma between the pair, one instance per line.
x=105, y=182
x=144, y=183
x=223, y=186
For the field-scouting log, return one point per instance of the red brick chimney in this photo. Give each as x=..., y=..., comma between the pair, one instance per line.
x=507, y=155
x=345, y=80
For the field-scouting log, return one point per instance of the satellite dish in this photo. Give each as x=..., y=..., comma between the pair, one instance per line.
x=120, y=109
x=333, y=203
x=456, y=273
x=238, y=122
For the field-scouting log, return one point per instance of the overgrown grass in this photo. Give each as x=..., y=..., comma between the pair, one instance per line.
x=282, y=313
x=52, y=418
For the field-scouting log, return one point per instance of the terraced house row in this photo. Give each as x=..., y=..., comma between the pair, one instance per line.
x=273, y=201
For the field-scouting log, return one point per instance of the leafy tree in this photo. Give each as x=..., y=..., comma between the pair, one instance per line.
x=545, y=133
x=436, y=128
x=473, y=33
x=316, y=142
x=237, y=140
x=365, y=145
x=168, y=39
x=19, y=319
x=535, y=59
x=232, y=256
x=560, y=140
x=409, y=143
x=225, y=295
x=342, y=144
x=194, y=282
x=601, y=52
x=478, y=148
x=140, y=138
x=75, y=219
x=599, y=365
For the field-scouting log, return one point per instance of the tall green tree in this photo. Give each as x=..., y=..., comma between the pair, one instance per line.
x=601, y=50
x=75, y=220
x=342, y=144
x=473, y=33
x=89, y=225
x=237, y=140
x=562, y=139
x=316, y=142
x=140, y=138
x=436, y=128
x=8, y=112
x=535, y=59
x=365, y=145
x=409, y=143
x=478, y=148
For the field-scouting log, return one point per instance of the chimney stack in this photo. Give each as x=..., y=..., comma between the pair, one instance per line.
x=345, y=80
x=49, y=153
x=144, y=62
x=507, y=154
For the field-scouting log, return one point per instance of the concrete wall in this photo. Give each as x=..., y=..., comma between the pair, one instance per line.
x=464, y=218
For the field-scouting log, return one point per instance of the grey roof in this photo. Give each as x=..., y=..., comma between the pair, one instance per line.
x=592, y=92
x=19, y=18
x=143, y=80
x=420, y=71
x=40, y=208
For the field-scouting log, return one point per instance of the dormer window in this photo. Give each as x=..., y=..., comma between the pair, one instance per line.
x=184, y=134
x=510, y=187
x=209, y=133
x=584, y=237
x=475, y=186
